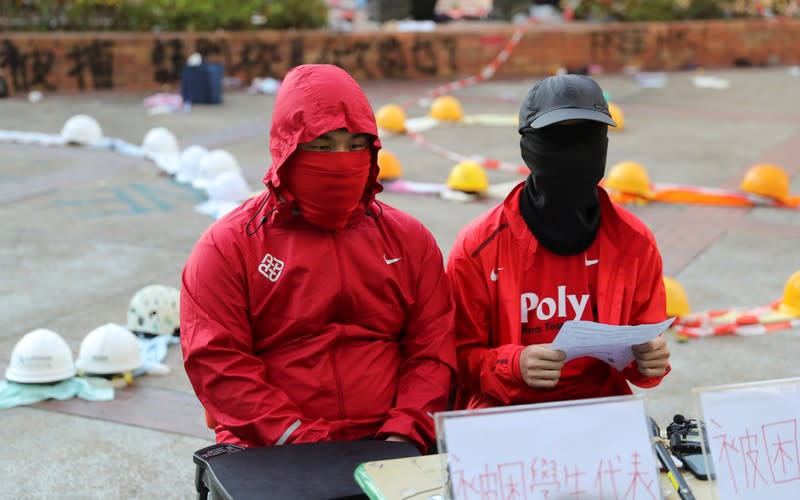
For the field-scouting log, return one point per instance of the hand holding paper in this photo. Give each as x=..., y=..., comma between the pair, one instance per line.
x=652, y=358
x=541, y=366
x=610, y=343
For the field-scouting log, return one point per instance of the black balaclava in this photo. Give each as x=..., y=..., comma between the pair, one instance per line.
x=559, y=200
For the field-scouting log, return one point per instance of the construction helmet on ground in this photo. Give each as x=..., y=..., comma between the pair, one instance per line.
x=446, y=108
x=155, y=310
x=391, y=117
x=82, y=129
x=765, y=179
x=617, y=115
x=39, y=357
x=161, y=146
x=677, y=302
x=109, y=349
x=160, y=141
x=468, y=176
x=790, y=303
x=390, y=168
x=630, y=178
x=229, y=187
x=190, y=163
x=212, y=165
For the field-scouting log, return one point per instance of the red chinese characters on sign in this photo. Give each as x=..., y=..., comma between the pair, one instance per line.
x=544, y=478
x=757, y=458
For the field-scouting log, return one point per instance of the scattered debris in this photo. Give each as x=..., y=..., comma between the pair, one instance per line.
x=710, y=82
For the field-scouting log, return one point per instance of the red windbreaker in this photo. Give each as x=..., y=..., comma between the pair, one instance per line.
x=630, y=291
x=293, y=334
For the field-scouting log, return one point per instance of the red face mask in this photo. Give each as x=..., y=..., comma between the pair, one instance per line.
x=328, y=187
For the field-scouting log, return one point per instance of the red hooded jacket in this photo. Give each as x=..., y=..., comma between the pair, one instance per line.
x=488, y=321
x=294, y=334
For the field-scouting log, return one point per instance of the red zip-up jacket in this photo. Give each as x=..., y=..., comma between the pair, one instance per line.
x=294, y=334
x=630, y=291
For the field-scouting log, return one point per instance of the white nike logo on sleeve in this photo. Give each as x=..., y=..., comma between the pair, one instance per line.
x=591, y=262
x=390, y=261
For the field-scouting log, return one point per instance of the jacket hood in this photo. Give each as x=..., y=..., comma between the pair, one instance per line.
x=315, y=99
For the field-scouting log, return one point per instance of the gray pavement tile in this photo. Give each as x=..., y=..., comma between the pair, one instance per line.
x=47, y=455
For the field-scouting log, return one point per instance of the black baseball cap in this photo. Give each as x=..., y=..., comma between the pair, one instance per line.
x=564, y=97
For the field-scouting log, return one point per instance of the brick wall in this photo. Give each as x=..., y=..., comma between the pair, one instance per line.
x=153, y=61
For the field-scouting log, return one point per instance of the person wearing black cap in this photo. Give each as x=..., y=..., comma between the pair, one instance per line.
x=556, y=249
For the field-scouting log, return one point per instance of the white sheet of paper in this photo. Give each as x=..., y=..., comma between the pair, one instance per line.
x=608, y=343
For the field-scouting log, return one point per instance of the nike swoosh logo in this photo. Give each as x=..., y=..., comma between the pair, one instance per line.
x=493, y=274
x=591, y=262
x=390, y=261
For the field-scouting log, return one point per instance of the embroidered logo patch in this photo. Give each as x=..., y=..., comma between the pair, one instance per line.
x=271, y=267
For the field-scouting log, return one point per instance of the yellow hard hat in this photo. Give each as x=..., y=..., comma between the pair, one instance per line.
x=390, y=168
x=391, y=117
x=629, y=177
x=446, y=108
x=617, y=115
x=677, y=303
x=790, y=304
x=766, y=180
x=469, y=177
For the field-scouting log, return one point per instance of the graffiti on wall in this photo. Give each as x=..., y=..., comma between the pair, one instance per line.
x=25, y=70
x=387, y=57
x=90, y=64
x=668, y=44
x=105, y=63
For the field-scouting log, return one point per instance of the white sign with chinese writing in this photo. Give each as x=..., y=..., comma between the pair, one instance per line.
x=578, y=450
x=752, y=433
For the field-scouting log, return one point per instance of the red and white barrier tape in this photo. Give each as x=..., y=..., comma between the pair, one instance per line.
x=458, y=157
x=736, y=328
x=735, y=321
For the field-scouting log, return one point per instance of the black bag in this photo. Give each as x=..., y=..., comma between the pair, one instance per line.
x=309, y=471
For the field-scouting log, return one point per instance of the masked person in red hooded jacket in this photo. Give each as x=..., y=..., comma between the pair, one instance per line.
x=556, y=249
x=314, y=312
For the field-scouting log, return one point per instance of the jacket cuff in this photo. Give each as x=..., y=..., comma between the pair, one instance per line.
x=396, y=426
x=517, y=370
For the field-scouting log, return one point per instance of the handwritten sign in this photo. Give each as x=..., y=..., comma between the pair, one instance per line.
x=572, y=450
x=753, y=435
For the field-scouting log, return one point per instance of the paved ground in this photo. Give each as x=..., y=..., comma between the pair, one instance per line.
x=83, y=230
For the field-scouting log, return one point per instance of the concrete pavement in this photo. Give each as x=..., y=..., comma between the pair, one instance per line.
x=83, y=230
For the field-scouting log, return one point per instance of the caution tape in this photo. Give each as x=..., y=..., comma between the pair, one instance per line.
x=458, y=157
x=759, y=320
x=698, y=195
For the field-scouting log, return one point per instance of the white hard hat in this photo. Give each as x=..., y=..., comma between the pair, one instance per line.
x=109, y=349
x=41, y=356
x=212, y=165
x=161, y=146
x=229, y=187
x=155, y=309
x=83, y=130
x=190, y=163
